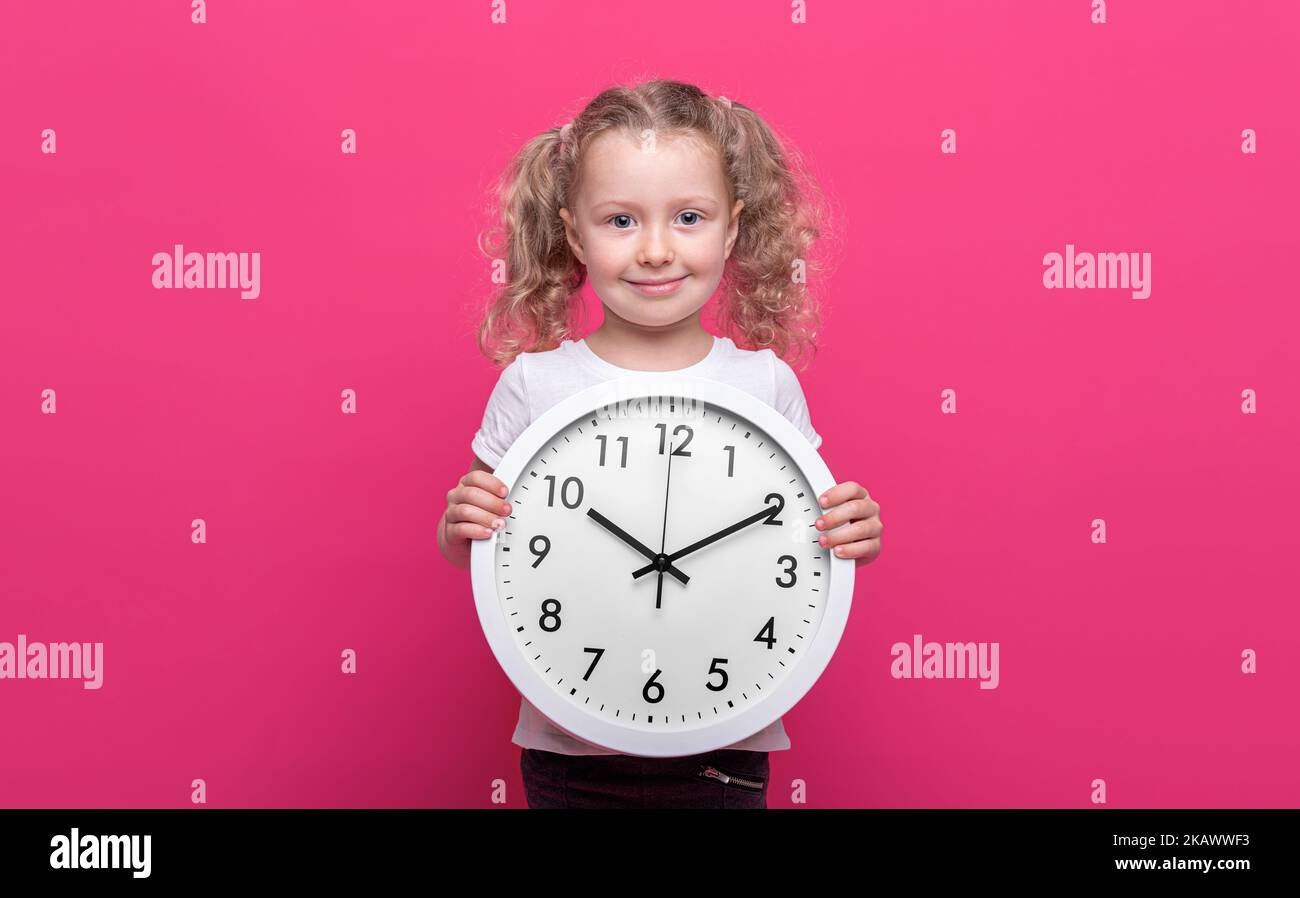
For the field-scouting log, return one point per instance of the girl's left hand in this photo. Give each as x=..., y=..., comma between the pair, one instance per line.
x=850, y=504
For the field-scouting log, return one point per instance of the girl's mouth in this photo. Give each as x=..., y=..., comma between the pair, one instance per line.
x=664, y=289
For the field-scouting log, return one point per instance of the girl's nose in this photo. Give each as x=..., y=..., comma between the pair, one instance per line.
x=655, y=250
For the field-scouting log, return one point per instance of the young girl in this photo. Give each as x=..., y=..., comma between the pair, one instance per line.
x=660, y=195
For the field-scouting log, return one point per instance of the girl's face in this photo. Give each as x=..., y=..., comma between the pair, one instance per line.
x=652, y=211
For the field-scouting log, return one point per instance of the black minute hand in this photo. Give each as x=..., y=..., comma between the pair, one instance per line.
x=739, y=525
x=634, y=543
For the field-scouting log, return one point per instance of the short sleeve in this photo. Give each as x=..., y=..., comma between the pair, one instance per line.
x=506, y=416
x=790, y=400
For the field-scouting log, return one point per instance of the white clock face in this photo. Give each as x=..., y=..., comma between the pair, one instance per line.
x=661, y=569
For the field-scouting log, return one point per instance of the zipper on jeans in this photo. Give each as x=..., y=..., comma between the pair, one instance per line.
x=714, y=773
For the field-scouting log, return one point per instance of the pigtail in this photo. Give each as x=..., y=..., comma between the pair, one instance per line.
x=766, y=300
x=534, y=311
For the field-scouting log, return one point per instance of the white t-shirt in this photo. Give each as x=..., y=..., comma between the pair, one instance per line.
x=535, y=381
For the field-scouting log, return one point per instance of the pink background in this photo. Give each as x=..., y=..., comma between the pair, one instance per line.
x=221, y=661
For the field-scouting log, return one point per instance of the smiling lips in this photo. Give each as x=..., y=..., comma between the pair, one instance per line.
x=662, y=288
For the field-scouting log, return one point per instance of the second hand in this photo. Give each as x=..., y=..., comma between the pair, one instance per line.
x=663, y=537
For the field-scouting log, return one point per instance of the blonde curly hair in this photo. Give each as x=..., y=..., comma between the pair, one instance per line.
x=761, y=304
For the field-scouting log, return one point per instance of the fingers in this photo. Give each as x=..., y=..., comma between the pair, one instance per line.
x=871, y=528
x=842, y=492
x=859, y=539
x=468, y=530
x=474, y=495
x=476, y=506
x=482, y=489
x=864, y=551
x=485, y=481
x=471, y=522
x=850, y=511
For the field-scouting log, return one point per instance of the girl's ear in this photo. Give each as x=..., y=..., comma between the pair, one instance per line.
x=571, y=234
x=733, y=229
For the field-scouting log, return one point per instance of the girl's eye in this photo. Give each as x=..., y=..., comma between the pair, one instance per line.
x=616, y=218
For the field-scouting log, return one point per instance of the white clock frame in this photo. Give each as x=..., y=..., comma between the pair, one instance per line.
x=708, y=736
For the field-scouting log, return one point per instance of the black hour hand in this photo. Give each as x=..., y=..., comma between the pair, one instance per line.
x=636, y=544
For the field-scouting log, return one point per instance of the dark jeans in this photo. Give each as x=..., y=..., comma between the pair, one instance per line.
x=726, y=778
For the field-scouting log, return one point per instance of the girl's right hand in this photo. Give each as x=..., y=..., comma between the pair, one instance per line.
x=476, y=508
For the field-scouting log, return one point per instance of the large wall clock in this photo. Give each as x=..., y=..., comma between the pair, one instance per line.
x=659, y=589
